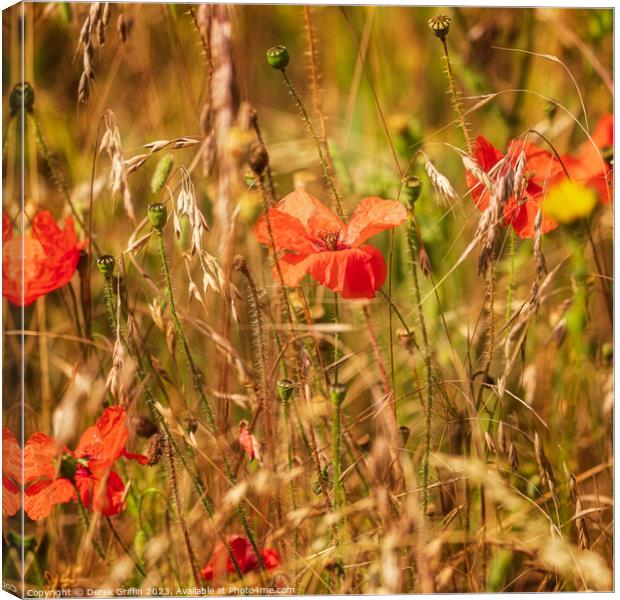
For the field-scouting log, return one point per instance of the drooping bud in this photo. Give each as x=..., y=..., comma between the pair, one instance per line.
x=259, y=159
x=106, y=264
x=158, y=215
x=404, y=433
x=143, y=426
x=278, y=57
x=412, y=186
x=285, y=389
x=440, y=26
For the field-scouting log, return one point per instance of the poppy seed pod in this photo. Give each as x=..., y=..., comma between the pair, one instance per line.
x=259, y=159
x=337, y=393
x=158, y=215
x=285, y=389
x=440, y=26
x=22, y=92
x=412, y=187
x=106, y=264
x=278, y=57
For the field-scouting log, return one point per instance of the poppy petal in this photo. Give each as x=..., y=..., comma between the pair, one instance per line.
x=371, y=216
x=39, y=455
x=288, y=232
x=314, y=216
x=11, y=497
x=41, y=497
x=354, y=273
x=102, y=494
x=104, y=442
x=7, y=228
x=11, y=455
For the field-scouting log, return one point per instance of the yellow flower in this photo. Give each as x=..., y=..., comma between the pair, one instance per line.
x=568, y=202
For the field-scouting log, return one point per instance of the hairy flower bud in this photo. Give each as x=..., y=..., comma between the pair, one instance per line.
x=412, y=186
x=337, y=393
x=285, y=389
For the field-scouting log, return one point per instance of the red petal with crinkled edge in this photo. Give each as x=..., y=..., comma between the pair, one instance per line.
x=104, y=442
x=372, y=216
x=486, y=156
x=353, y=273
x=11, y=497
x=11, y=456
x=41, y=497
x=523, y=217
x=47, y=261
x=7, y=228
x=39, y=455
x=288, y=232
x=103, y=494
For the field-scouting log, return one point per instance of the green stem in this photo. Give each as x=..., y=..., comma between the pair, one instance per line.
x=86, y=520
x=456, y=102
x=317, y=141
x=413, y=250
x=197, y=483
x=511, y=276
x=199, y=389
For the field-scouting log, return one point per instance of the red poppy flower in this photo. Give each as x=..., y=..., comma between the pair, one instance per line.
x=315, y=241
x=542, y=169
x=588, y=166
x=248, y=441
x=244, y=554
x=11, y=473
x=50, y=258
x=89, y=467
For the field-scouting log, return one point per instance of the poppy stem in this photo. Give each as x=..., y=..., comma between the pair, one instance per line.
x=412, y=240
x=511, y=276
x=456, y=100
x=304, y=114
x=86, y=520
x=118, y=538
x=195, y=374
x=197, y=483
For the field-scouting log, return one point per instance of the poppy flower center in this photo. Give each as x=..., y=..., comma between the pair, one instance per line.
x=330, y=240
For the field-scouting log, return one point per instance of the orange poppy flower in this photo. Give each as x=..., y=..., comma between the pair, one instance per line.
x=11, y=473
x=587, y=165
x=50, y=258
x=50, y=470
x=244, y=554
x=542, y=170
x=315, y=241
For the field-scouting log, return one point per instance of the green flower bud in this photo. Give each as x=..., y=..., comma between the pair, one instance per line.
x=412, y=186
x=278, y=57
x=440, y=26
x=162, y=172
x=158, y=215
x=106, y=264
x=285, y=389
x=337, y=393
x=21, y=93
